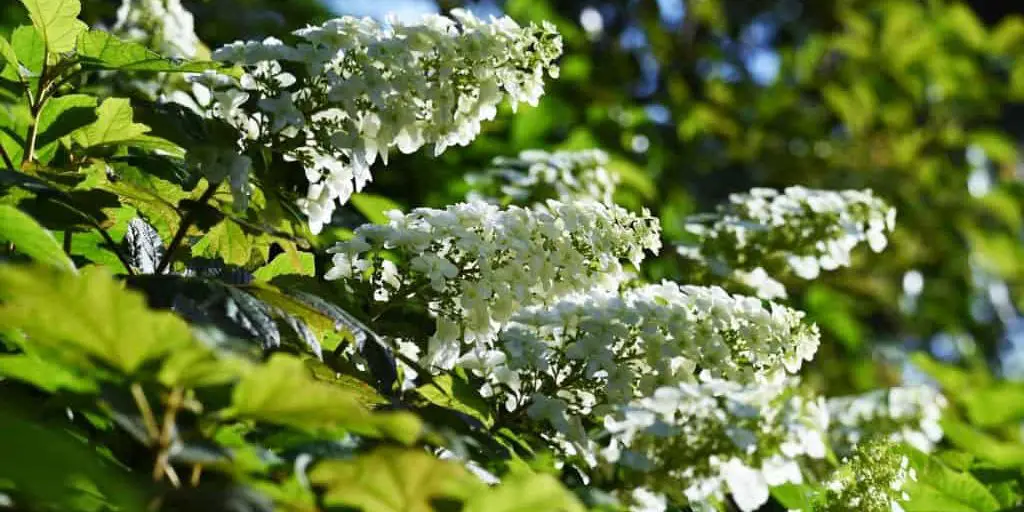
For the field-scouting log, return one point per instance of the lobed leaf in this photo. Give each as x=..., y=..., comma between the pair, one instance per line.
x=57, y=21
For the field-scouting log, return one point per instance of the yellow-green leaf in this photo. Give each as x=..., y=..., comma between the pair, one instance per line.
x=283, y=392
x=300, y=263
x=393, y=480
x=226, y=241
x=374, y=207
x=57, y=21
x=87, y=318
x=114, y=124
x=529, y=492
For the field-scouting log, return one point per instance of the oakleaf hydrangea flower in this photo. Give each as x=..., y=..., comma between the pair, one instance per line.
x=476, y=264
x=697, y=442
x=163, y=25
x=351, y=90
x=595, y=351
x=801, y=230
x=535, y=176
x=908, y=414
x=871, y=479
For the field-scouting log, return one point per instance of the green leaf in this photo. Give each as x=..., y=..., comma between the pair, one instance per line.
x=102, y=50
x=955, y=381
x=113, y=125
x=31, y=239
x=996, y=405
x=833, y=311
x=56, y=469
x=1008, y=35
x=43, y=374
x=30, y=48
x=374, y=207
x=528, y=492
x=794, y=496
x=362, y=391
x=453, y=392
x=155, y=198
x=57, y=21
x=301, y=263
x=967, y=25
x=60, y=117
x=225, y=241
x=7, y=55
x=999, y=147
x=941, y=489
x=283, y=392
x=86, y=318
x=393, y=480
x=1000, y=453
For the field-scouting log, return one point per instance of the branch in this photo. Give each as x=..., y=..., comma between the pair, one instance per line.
x=186, y=222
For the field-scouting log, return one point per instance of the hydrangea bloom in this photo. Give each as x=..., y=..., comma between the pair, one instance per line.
x=803, y=230
x=536, y=175
x=163, y=25
x=695, y=442
x=594, y=351
x=352, y=89
x=477, y=264
x=871, y=480
x=904, y=414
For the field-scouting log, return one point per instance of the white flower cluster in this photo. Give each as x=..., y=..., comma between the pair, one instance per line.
x=352, y=89
x=592, y=352
x=163, y=25
x=477, y=264
x=871, y=479
x=537, y=175
x=908, y=414
x=800, y=229
x=695, y=442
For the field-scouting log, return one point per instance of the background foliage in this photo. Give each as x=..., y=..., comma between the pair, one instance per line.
x=918, y=100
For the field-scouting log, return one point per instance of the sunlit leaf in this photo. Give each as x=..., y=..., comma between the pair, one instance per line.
x=282, y=391
x=113, y=125
x=226, y=241
x=534, y=492
x=393, y=480
x=31, y=239
x=941, y=489
x=57, y=21
x=103, y=50
x=97, y=319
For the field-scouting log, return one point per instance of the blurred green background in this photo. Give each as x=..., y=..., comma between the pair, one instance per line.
x=695, y=99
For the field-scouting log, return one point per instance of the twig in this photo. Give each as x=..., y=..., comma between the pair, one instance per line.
x=6, y=158
x=197, y=473
x=147, y=412
x=186, y=222
x=162, y=466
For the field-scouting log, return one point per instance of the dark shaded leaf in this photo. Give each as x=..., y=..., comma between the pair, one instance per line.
x=145, y=248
